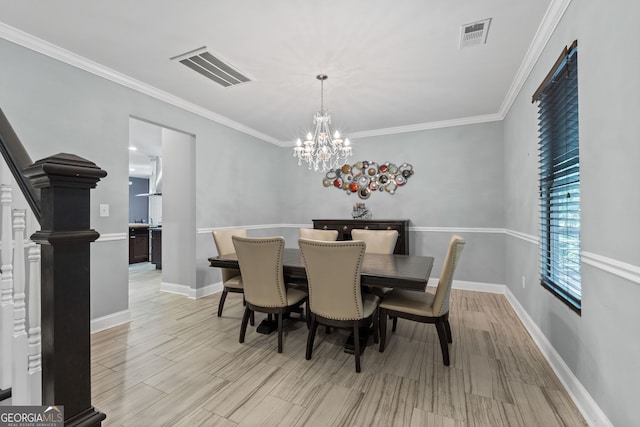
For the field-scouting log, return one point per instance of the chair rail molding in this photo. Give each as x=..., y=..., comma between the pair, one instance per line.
x=523, y=236
x=488, y=230
x=208, y=230
x=110, y=237
x=622, y=269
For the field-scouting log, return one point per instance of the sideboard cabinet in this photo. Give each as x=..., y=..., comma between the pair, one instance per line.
x=344, y=227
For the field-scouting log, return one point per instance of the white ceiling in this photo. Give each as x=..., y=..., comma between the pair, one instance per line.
x=392, y=65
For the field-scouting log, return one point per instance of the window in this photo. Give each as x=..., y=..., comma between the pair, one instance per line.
x=559, y=177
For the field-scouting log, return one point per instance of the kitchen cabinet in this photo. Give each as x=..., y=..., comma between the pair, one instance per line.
x=156, y=247
x=344, y=227
x=138, y=243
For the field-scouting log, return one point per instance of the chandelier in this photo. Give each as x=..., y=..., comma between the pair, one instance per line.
x=320, y=150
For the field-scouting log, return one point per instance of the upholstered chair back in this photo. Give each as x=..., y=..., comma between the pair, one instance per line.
x=314, y=234
x=441, y=299
x=378, y=241
x=260, y=261
x=224, y=245
x=333, y=274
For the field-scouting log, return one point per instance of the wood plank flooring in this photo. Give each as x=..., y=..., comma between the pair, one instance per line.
x=177, y=364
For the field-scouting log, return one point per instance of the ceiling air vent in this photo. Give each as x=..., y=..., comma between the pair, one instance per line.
x=211, y=67
x=474, y=33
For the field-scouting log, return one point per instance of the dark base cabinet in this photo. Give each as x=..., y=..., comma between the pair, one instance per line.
x=344, y=227
x=156, y=247
x=138, y=244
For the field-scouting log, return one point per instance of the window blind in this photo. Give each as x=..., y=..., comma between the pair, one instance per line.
x=559, y=158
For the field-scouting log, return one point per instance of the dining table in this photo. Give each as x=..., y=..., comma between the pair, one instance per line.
x=406, y=272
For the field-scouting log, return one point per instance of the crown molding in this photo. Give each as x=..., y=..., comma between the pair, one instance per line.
x=427, y=126
x=550, y=21
x=56, y=52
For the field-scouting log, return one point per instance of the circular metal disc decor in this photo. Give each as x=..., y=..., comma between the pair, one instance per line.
x=366, y=177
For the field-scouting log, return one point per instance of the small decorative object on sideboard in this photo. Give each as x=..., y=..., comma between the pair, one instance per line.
x=365, y=177
x=360, y=211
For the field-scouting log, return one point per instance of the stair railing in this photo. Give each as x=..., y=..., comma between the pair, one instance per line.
x=45, y=306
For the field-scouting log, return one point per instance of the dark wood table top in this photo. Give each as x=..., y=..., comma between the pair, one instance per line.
x=392, y=271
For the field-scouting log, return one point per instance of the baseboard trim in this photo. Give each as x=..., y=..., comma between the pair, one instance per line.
x=492, y=288
x=189, y=292
x=110, y=320
x=211, y=289
x=175, y=288
x=580, y=396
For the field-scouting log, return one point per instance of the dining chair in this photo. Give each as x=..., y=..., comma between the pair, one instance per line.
x=231, y=277
x=335, y=300
x=260, y=261
x=315, y=234
x=426, y=307
x=378, y=241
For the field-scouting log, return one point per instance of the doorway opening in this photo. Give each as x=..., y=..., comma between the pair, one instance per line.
x=161, y=203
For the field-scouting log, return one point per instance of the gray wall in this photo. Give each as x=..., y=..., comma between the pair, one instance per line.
x=475, y=179
x=178, y=209
x=601, y=347
x=458, y=185
x=54, y=108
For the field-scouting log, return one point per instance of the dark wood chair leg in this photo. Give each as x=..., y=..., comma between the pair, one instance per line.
x=243, y=326
x=280, y=316
x=442, y=335
x=447, y=328
x=395, y=324
x=382, y=316
x=356, y=344
x=252, y=319
x=221, y=303
x=311, y=337
x=376, y=326
x=307, y=314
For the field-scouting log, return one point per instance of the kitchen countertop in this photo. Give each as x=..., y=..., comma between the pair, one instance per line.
x=138, y=225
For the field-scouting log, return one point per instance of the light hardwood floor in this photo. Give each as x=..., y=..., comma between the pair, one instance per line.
x=177, y=364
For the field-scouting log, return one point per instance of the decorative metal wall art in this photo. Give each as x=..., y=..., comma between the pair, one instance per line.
x=365, y=177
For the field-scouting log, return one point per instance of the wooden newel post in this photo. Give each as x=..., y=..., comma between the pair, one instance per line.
x=64, y=181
